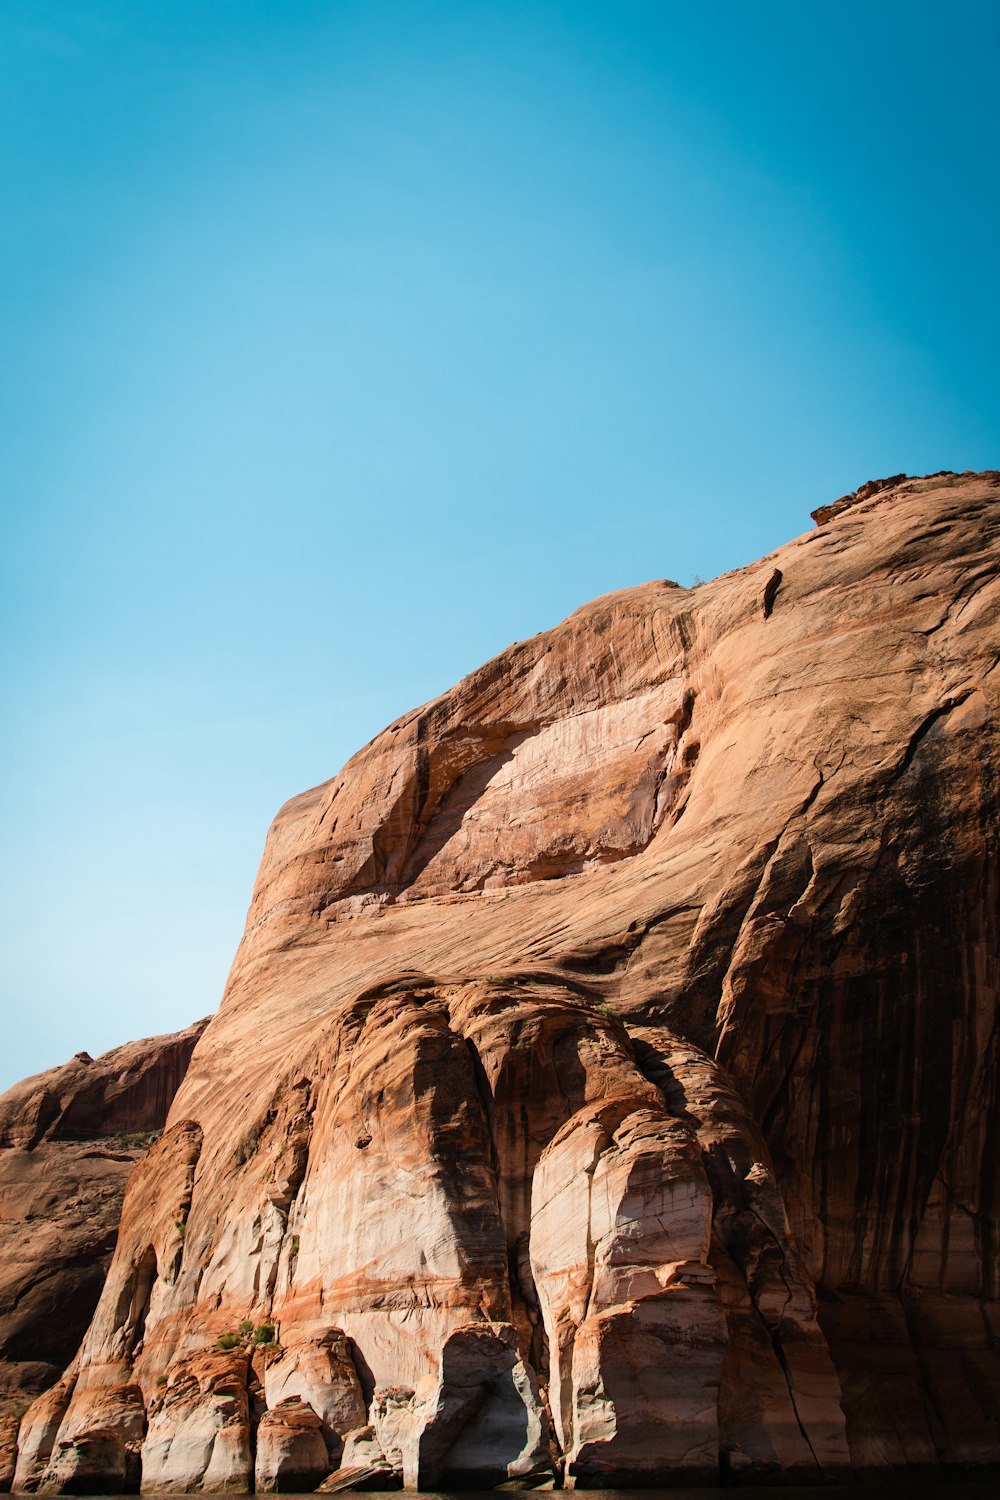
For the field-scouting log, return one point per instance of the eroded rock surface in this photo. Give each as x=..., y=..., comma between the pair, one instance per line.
x=69, y=1140
x=607, y=1081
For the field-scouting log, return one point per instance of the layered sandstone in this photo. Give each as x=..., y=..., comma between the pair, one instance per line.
x=606, y=1083
x=69, y=1139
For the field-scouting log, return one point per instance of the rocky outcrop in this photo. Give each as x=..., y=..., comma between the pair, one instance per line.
x=606, y=1085
x=291, y=1454
x=69, y=1140
x=866, y=491
x=122, y=1093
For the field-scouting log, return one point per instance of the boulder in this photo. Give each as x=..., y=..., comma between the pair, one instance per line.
x=291, y=1456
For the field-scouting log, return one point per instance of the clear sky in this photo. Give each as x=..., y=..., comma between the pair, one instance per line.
x=343, y=344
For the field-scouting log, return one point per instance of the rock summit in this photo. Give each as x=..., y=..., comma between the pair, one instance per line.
x=606, y=1085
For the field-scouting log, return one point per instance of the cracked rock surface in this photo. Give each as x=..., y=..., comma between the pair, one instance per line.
x=607, y=1083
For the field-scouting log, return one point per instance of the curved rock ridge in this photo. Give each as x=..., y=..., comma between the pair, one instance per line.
x=606, y=1085
x=69, y=1139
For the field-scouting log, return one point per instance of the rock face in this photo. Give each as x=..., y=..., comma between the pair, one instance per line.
x=69, y=1139
x=607, y=1080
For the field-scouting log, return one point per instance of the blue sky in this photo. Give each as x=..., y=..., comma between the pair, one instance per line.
x=345, y=343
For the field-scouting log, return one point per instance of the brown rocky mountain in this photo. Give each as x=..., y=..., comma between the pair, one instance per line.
x=69, y=1139
x=607, y=1080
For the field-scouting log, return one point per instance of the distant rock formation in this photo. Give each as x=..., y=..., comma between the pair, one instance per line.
x=69, y=1139
x=607, y=1083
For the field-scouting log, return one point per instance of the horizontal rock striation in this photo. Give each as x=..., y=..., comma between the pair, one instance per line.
x=606, y=1086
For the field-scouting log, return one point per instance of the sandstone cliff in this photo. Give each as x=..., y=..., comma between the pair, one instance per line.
x=607, y=1080
x=69, y=1139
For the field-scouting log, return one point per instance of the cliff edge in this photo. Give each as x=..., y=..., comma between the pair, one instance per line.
x=69, y=1139
x=606, y=1085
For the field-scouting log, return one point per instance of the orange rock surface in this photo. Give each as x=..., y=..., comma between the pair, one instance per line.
x=69, y=1139
x=607, y=1080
